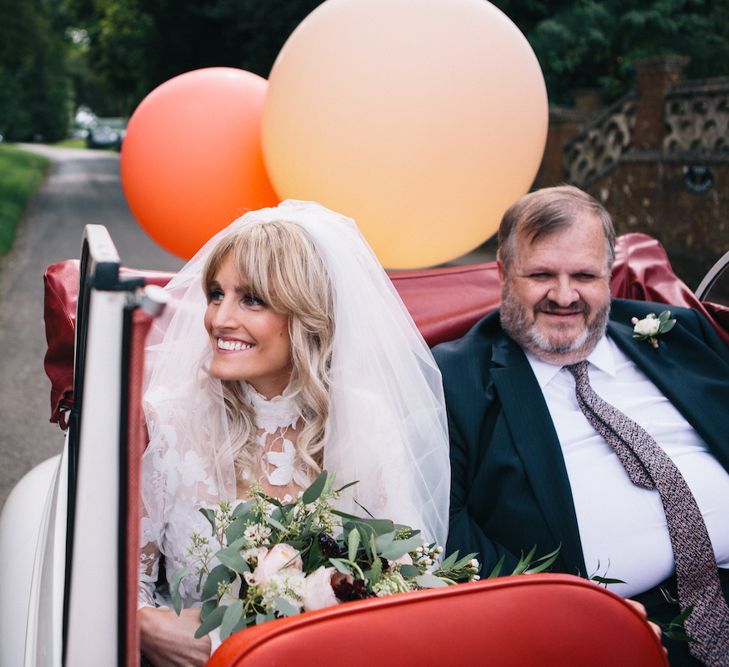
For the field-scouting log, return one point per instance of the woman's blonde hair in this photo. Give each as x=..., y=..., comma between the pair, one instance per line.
x=281, y=265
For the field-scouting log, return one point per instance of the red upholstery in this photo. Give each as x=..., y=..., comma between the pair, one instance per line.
x=444, y=302
x=136, y=442
x=547, y=619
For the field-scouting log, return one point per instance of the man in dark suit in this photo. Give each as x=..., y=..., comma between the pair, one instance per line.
x=527, y=466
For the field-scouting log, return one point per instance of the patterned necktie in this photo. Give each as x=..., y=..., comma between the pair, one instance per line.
x=648, y=466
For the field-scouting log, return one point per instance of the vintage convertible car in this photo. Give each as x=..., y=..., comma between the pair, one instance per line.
x=69, y=530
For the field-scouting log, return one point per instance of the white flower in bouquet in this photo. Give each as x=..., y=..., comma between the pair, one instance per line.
x=390, y=583
x=281, y=556
x=257, y=535
x=318, y=592
x=284, y=587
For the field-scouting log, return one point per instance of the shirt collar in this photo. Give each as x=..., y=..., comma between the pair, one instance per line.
x=601, y=357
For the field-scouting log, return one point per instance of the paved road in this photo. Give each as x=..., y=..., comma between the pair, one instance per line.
x=82, y=187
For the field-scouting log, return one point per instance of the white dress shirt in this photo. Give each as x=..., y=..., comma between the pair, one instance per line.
x=622, y=526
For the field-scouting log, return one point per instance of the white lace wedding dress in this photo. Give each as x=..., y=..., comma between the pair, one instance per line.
x=176, y=479
x=176, y=485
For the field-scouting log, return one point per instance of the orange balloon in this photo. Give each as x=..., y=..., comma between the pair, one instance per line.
x=192, y=160
x=421, y=119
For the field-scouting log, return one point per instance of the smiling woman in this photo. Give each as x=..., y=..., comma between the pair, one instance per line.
x=287, y=351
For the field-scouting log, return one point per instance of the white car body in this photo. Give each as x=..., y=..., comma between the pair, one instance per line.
x=49, y=577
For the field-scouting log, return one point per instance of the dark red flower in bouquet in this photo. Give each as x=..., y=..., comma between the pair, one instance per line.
x=347, y=591
x=329, y=546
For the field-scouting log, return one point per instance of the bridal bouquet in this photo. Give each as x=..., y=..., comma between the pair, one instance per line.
x=279, y=558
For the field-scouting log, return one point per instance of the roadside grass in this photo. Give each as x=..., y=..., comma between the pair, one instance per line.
x=20, y=175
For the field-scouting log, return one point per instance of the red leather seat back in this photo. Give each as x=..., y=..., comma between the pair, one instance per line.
x=444, y=302
x=519, y=621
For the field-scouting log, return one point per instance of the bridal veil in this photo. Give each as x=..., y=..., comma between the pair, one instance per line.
x=387, y=423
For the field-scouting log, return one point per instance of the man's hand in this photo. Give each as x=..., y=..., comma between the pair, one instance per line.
x=168, y=640
x=641, y=610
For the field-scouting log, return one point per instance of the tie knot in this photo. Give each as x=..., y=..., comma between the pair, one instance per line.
x=579, y=370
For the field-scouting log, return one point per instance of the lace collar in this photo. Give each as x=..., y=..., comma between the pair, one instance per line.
x=272, y=414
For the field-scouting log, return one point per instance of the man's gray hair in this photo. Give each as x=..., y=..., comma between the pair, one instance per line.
x=546, y=211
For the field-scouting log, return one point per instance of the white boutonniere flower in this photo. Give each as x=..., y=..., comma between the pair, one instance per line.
x=650, y=327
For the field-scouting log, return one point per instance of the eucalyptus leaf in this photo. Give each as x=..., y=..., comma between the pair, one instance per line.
x=285, y=607
x=236, y=529
x=665, y=328
x=314, y=491
x=231, y=618
x=264, y=618
x=231, y=557
x=208, y=606
x=375, y=572
x=212, y=621
x=379, y=526
x=341, y=566
x=175, y=588
x=353, y=541
x=365, y=533
x=385, y=540
x=220, y=573
x=241, y=509
x=409, y=571
x=273, y=522
x=399, y=548
x=449, y=562
x=209, y=514
x=428, y=580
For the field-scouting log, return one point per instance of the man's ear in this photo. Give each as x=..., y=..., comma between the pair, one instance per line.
x=502, y=272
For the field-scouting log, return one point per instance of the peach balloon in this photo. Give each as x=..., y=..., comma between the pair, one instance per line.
x=192, y=161
x=422, y=119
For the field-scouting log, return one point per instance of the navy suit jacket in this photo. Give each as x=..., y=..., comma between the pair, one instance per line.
x=510, y=489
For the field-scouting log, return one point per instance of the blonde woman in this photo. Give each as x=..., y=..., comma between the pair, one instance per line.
x=286, y=351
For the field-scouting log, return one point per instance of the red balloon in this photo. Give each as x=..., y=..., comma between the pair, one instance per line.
x=192, y=161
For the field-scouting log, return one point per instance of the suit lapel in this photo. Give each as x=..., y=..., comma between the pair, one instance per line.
x=687, y=377
x=536, y=442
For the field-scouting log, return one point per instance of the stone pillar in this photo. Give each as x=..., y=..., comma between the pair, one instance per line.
x=656, y=76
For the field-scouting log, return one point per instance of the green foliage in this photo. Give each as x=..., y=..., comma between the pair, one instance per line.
x=109, y=54
x=35, y=93
x=20, y=175
x=281, y=550
x=591, y=44
x=135, y=45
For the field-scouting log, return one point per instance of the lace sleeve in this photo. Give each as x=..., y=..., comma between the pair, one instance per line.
x=154, y=492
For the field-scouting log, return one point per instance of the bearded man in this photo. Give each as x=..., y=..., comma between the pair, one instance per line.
x=568, y=432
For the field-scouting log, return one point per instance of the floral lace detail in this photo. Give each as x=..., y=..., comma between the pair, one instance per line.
x=279, y=412
x=277, y=419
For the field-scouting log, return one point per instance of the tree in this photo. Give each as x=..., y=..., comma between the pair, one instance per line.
x=594, y=44
x=135, y=45
x=35, y=95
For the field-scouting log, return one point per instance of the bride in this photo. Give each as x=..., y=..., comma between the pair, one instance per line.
x=285, y=351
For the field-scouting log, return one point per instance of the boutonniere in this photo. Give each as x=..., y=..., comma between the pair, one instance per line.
x=650, y=327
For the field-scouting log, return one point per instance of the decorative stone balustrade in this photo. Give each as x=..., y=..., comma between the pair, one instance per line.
x=696, y=116
x=600, y=145
x=697, y=120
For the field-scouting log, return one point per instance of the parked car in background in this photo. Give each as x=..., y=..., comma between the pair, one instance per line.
x=107, y=133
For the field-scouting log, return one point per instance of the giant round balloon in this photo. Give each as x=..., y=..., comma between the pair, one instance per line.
x=192, y=160
x=422, y=119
